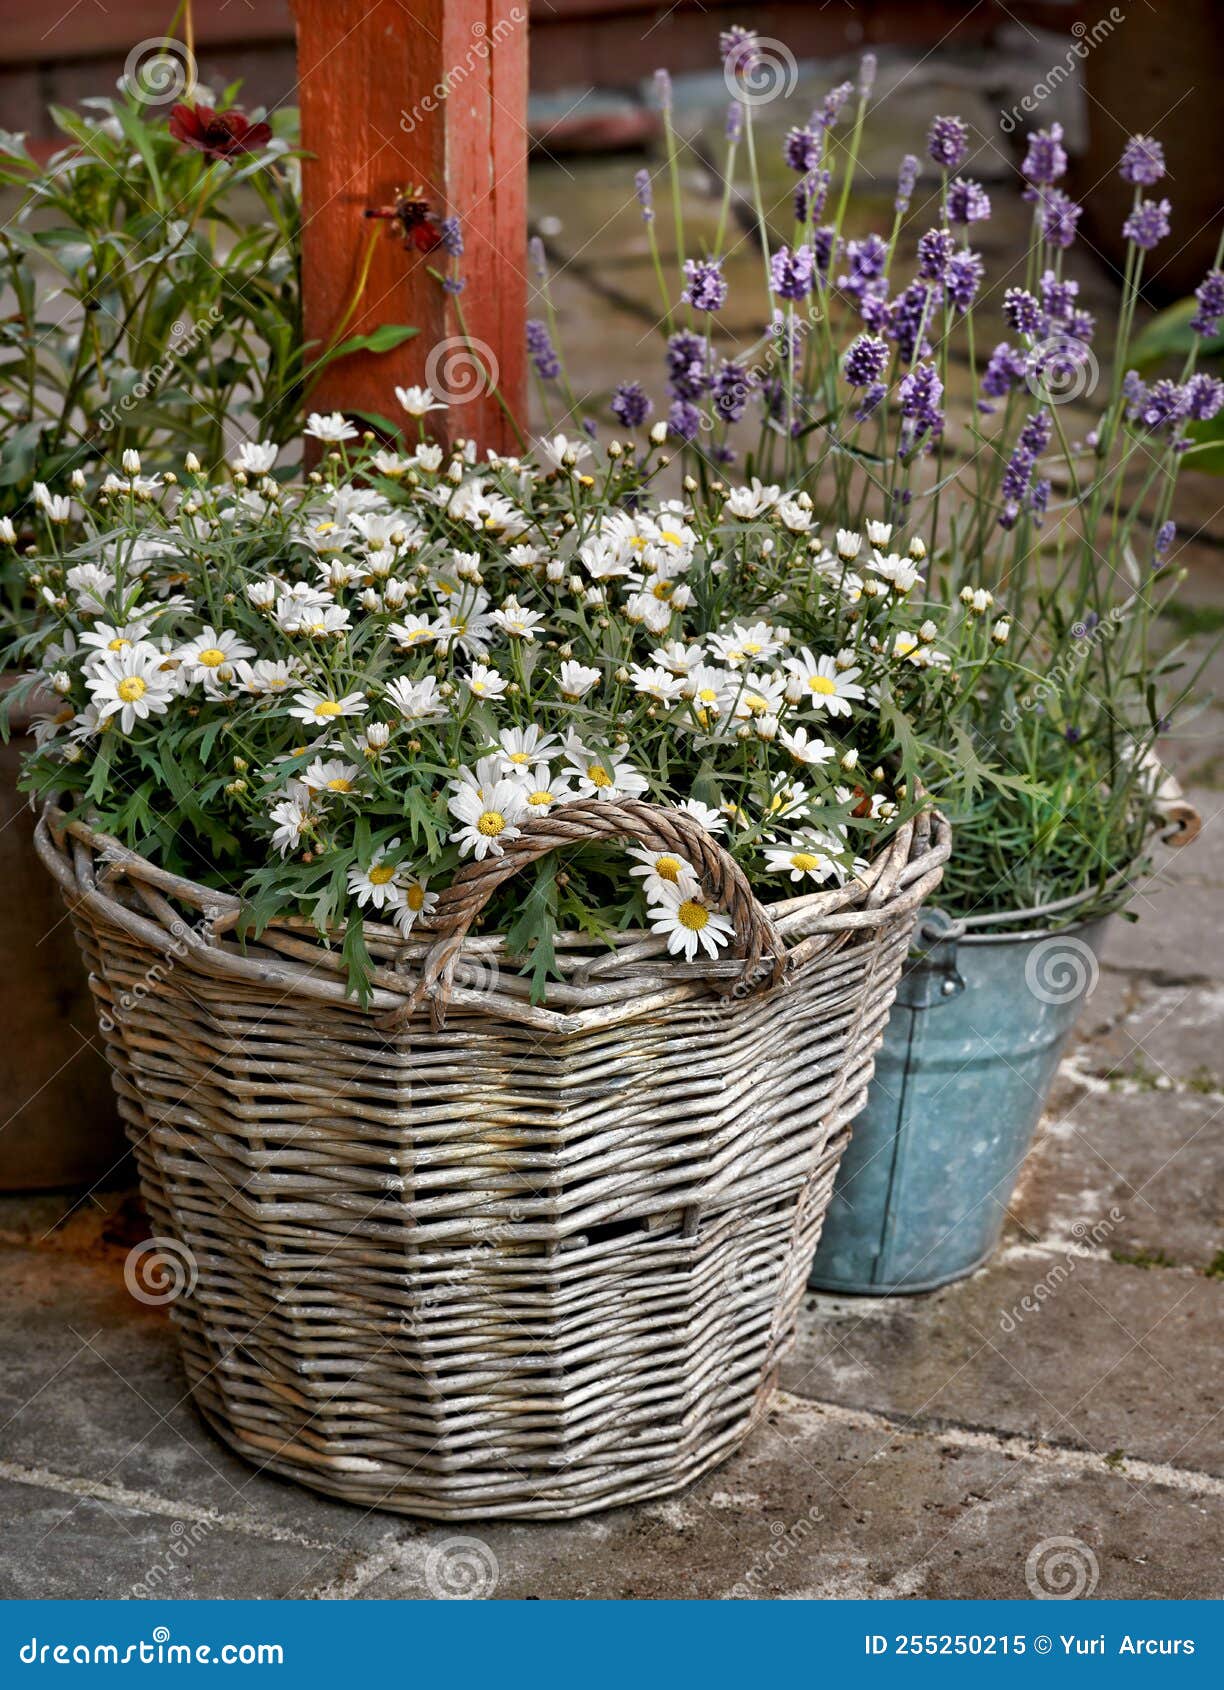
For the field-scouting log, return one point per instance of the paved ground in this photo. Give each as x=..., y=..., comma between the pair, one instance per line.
x=930, y=1446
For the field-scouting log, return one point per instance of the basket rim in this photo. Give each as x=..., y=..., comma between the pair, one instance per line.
x=291, y=956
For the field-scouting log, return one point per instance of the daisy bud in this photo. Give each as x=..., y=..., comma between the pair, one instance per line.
x=690, y=485
x=879, y=533
x=240, y=765
x=767, y=727
x=72, y=753
x=61, y=681
x=877, y=773
x=77, y=480
x=850, y=761
x=377, y=736
x=170, y=478
x=615, y=449
x=191, y=464
x=621, y=675
x=240, y=478
x=927, y=632
x=848, y=545
x=1000, y=631
x=917, y=548
x=8, y=534
x=131, y=461
x=658, y=433
x=235, y=788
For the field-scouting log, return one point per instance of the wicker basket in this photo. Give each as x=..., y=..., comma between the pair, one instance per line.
x=510, y=1260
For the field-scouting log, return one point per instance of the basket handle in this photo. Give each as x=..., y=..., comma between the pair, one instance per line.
x=656, y=826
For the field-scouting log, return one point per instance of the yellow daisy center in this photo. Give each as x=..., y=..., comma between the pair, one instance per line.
x=518, y=756
x=327, y=707
x=754, y=702
x=131, y=688
x=414, y=897
x=669, y=535
x=663, y=589
x=212, y=658
x=805, y=861
x=821, y=683
x=491, y=824
x=340, y=784
x=692, y=915
x=541, y=799
x=381, y=873
x=668, y=868
x=598, y=775
x=118, y=643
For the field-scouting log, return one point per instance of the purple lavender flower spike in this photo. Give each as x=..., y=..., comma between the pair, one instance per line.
x=684, y=420
x=870, y=401
x=948, y=142
x=730, y=389
x=535, y=252
x=1203, y=396
x=919, y=395
x=1046, y=159
x=963, y=278
x=738, y=47
x=707, y=286
x=868, y=65
x=968, y=201
x=1021, y=311
x=686, y=365
x=451, y=236
x=735, y=121
x=1148, y=223
x=810, y=196
x=865, y=361
x=907, y=180
x=935, y=248
x=1038, y=499
x=541, y=351
x=1058, y=296
x=802, y=149
x=644, y=189
x=1210, y=296
x=631, y=404
x=1003, y=373
x=1018, y=476
x=867, y=260
x=1059, y=216
x=1160, y=407
x=453, y=284
x=833, y=105
x=663, y=89
x=791, y=273
x=1143, y=161
x=910, y=312
x=1165, y=536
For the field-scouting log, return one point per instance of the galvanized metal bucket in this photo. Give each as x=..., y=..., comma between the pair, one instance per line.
x=970, y=1051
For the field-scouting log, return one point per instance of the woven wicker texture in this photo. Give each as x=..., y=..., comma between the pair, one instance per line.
x=461, y=1255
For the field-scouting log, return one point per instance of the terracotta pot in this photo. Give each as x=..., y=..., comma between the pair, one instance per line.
x=58, y=1122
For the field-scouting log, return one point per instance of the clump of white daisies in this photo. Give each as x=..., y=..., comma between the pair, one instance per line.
x=327, y=696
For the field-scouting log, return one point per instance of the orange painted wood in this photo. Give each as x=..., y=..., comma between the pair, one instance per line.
x=374, y=120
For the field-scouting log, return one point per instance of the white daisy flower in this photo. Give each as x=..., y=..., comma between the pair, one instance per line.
x=807, y=748
x=576, y=679
x=417, y=630
x=802, y=859
x=824, y=685
x=747, y=502
x=212, y=650
x=740, y=644
x=656, y=683
x=331, y=774
x=604, y=777
x=562, y=453
x=331, y=428
x=898, y=571
x=658, y=869
x=759, y=695
x=879, y=533
x=484, y=682
x=416, y=901
x=294, y=817
x=378, y=886
x=712, y=820
x=419, y=401
x=524, y=747
x=267, y=675
x=256, y=457
x=319, y=709
x=418, y=701
x=132, y=685
x=487, y=819
x=682, y=913
x=518, y=623
x=542, y=789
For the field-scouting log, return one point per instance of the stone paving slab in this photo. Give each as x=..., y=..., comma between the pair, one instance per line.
x=1103, y=1357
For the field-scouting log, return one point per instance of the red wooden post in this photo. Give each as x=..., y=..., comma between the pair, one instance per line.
x=431, y=96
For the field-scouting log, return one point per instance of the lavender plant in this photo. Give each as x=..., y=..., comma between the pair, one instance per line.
x=844, y=394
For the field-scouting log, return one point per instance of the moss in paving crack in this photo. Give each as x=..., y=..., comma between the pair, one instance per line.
x=1116, y=1460
x=1215, y=1267
x=1203, y=1080
x=1143, y=1259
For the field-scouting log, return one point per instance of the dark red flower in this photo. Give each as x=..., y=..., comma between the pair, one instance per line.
x=411, y=218
x=218, y=134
